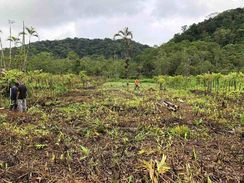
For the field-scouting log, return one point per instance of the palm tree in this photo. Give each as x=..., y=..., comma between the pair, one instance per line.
x=10, y=41
x=126, y=36
x=2, y=53
x=23, y=34
x=23, y=48
x=31, y=32
x=14, y=39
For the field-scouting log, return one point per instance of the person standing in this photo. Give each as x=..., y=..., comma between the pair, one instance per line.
x=137, y=84
x=14, y=97
x=22, y=95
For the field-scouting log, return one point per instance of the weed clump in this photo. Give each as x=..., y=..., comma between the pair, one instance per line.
x=36, y=111
x=3, y=118
x=180, y=131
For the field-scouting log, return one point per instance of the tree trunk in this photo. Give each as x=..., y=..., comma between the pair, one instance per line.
x=2, y=55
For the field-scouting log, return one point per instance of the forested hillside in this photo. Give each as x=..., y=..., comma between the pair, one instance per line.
x=225, y=28
x=192, y=58
x=85, y=47
x=215, y=45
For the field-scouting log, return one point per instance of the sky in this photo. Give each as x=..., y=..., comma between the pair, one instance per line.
x=152, y=22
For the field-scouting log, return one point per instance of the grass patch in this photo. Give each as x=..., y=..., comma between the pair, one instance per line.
x=180, y=131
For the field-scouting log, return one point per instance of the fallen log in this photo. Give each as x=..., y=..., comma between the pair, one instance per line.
x=170, y=106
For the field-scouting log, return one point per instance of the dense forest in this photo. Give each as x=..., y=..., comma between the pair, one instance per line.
x=85, y=47
x=215, y=45
x=225, y=28
x=191, y=58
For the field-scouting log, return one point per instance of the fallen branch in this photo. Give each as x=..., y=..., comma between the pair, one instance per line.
x=170, y=106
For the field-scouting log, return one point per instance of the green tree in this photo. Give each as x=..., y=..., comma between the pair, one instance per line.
x=126, y=36
x=74, y=58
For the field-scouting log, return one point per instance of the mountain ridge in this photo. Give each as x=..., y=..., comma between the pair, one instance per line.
x=225, y=28
x=85, y=47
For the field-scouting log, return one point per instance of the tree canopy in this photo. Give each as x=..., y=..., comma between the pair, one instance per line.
x=107, y=48
x=225, y=28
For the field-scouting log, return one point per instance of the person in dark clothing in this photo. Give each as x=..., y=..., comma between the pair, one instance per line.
x=14, y=97
x=22, y=94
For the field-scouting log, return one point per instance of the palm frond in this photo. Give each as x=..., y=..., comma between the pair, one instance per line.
x=116, y=35
x=22, y=33
x=31, y=30
x=122, y=33
x=129, y=34
x=28, y=30
x=126, y=29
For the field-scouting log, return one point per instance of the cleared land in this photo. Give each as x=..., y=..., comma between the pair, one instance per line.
x=110, y=134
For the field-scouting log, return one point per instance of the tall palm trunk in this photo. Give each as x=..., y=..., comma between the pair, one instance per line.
x=10, y=43
x=127, y=59
x=26, y=55
x=31, y=32
x=10, y=52
x=127, y=69
x=2, y=54
x=23, y=49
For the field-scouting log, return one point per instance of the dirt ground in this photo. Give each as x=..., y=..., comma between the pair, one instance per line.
x=106, y=140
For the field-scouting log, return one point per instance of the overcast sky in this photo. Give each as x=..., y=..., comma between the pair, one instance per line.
x=152, y=22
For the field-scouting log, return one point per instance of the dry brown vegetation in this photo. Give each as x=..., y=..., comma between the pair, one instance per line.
x=109, y=134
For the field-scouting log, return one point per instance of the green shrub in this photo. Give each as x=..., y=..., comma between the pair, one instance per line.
x=198, y=122
x=161, y=81
x=180, y=131
x=36, y=111
x=3, y=118
x=99, y=126
x=60, y=90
